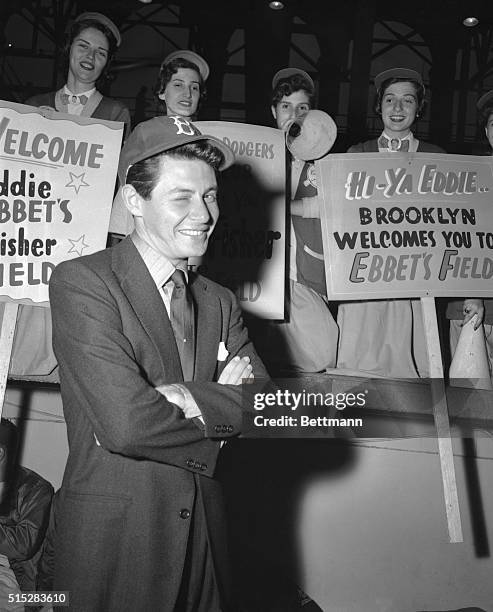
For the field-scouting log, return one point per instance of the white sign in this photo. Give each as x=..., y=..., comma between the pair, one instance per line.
x=57, y=177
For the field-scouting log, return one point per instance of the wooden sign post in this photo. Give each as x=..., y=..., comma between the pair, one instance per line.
x=7, y=332
x=410, y=225
x=440, y=414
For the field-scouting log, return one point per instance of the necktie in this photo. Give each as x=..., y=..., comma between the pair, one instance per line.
x=73, y=99
x=393, y=144
x=183, y=322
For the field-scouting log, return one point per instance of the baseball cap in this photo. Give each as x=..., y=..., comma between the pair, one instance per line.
x=397, y=73
x=191, y=57
x=484, y=99
x=102, y=19
x=285, y=73
x=161, y=134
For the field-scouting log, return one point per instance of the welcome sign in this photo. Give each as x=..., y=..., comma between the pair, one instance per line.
x=407, y=225
x=57, y=176
x=247, y=250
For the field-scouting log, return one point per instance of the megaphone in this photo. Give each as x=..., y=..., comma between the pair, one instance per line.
x=311, y=136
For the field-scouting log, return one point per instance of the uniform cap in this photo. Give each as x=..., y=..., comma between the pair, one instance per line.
x=397, y=73
x=161, y=134
x=484, y=99
x=191, y=57
x=102, y=19
x=285, y=73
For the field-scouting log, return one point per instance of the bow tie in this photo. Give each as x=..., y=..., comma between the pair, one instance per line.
x=73, y=99
x=393, y=144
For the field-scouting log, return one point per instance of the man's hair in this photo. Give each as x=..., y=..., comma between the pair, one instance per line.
x=168, y=70
x=286, y=87
x=9, y=440
x=76, y=28
x=418, y=89
x=144, y=175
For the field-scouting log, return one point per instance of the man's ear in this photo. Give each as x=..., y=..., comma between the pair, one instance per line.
x=161, y=97
x=274, y=112
x=133, y=201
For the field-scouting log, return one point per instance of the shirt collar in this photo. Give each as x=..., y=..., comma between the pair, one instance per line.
x=88, y=94
x=413, y=142
x=160, y=268
x=409, y=137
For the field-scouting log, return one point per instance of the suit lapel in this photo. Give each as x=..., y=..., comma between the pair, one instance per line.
x=209, y=330
x=143, y=295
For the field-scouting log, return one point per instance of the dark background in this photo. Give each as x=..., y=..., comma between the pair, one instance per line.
x=343, y=45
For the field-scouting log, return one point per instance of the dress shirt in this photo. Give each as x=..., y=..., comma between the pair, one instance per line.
x=161, y=269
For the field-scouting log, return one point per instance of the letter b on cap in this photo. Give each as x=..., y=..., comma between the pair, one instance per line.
x=184, y=127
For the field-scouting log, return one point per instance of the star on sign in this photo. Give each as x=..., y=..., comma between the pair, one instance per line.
x=77, y=181
x=78, y=245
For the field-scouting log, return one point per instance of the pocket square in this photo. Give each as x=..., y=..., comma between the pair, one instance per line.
x=222, y=352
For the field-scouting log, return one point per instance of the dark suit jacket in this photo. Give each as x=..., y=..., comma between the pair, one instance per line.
x=126, y=505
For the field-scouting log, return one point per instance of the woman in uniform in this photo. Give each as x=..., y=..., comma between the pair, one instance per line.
x=181, y=83
x=91, y=44
x=386, y=337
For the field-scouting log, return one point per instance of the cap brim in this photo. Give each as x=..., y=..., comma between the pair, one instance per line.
x=484, y=99
x=102, y=19
x=229, y=157
x=397, y=73
x=285, y=73
x=190, y=56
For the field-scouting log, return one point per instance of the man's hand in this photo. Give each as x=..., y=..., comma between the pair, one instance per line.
x=174, y=394
x=182, y=398
x=236, y=371
x=473, y=307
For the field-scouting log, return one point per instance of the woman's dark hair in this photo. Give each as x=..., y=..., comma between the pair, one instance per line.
x=76, y=28
x=145, y=174
x=286, y=87
x=418, y=88
x=168, y=70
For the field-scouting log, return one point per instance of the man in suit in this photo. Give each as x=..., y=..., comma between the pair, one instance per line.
x=149, y=392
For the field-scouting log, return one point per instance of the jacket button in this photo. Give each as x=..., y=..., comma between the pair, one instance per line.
x=190, y=463
x=203, y=467
x=230, y=428
x=217, y=428
x=184, y=514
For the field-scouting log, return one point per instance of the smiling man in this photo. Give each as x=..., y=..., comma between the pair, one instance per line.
x=151, y=362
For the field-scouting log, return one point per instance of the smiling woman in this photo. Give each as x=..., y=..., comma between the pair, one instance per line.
x=181, y=83
x=88, y=56
x=91, y=44
x=386, y=337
